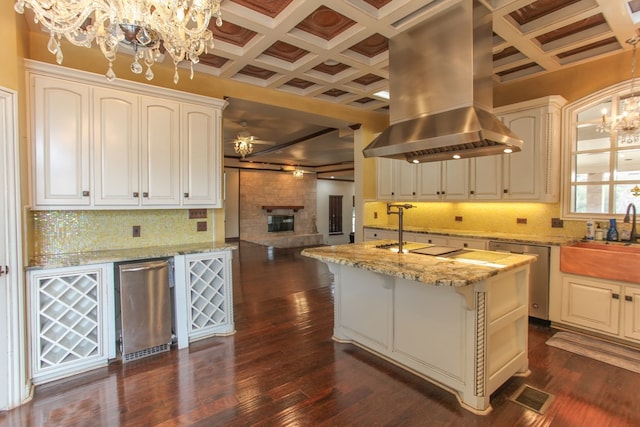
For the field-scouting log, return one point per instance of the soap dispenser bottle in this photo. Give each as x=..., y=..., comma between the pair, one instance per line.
x=591, y=230
x=612, y=234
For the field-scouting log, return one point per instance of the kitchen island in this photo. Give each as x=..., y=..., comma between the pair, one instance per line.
x=459, y=322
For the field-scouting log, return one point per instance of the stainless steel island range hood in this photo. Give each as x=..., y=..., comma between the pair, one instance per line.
x=441, y=90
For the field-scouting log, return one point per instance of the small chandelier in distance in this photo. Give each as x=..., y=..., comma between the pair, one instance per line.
x=181, y=27
x=298, y=173
x=243, y=144
x=627, y=124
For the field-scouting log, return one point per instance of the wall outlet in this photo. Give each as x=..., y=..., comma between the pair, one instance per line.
x=459, y=218
x=375, y=215
x=521, y=220
x=197, y=213
x=136, y=231
x=202, y=225
x=557, y=223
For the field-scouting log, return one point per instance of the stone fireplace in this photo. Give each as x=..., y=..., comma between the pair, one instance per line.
x=269, y=194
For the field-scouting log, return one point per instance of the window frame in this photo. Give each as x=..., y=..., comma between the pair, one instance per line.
x=570, y=121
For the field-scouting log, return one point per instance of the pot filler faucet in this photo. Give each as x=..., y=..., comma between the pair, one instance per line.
x=634, y=233
x=400, y=211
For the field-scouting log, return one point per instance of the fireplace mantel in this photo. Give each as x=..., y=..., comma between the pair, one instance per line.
x=271, y=208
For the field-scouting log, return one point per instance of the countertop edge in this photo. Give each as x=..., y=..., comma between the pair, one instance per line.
x=434, y=271
x=123, y=255
x=502, y=237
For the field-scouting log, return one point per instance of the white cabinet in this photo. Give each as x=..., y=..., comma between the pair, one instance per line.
x=603, y=306
x=60, y=134
x=591, y=304
x=402, y=181
x=122, y=145
x=375, y=234
x=458, y=242
x=202, y=155
x=485, y=178
x=632, y=312
x=426, y=238
x=115, y=147
x=534, y=172
x=71, y=313
x=160, y=152
x=204, y=295
x=136, y=149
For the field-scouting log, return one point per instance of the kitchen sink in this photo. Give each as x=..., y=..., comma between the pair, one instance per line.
x=606, y=260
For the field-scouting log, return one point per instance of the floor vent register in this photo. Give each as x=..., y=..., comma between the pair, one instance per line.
x=532, y=398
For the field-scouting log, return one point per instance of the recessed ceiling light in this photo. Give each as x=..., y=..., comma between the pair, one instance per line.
x=508, y=150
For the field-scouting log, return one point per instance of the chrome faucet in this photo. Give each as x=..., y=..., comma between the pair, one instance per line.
x=634, y=233
x=400, y=210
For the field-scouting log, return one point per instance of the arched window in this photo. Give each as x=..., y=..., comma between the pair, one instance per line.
x=600, y=168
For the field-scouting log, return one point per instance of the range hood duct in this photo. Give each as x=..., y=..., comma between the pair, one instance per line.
x=441, y=90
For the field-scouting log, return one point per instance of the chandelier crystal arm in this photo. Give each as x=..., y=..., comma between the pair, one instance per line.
x=181, y=27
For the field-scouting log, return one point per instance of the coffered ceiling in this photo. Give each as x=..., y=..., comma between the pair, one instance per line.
x=337, y=51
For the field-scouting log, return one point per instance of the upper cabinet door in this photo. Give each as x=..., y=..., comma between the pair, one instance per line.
x=521, y=172
x=60, y=117
x=430, y=181
x=455, y=179
x=485, y=176
x=202, y=156
x=385, y=174
x=406, y=177
x=160, y=151
x=115, y=148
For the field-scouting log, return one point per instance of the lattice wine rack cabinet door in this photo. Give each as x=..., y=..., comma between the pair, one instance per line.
x=210, y=296
x=67, y=321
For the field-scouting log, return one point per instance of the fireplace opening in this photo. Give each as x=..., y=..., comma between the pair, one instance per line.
x=278, y=223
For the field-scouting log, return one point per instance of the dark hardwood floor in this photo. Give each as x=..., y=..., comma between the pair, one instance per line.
x=281, y=368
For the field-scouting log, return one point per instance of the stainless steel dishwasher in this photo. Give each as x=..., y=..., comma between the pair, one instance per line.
x=538, y=276
x=145, y=308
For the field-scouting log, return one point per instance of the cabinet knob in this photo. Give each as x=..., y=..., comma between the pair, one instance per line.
x=136, y=194
x=472, y=192
x=186, y=195
x=615, y=296
x=437, y=193
x=414, y=193
x=145, y=194
x=4, y=270
x=85, y=194
x=505, y=191
x=628, y=298
x=443, y=193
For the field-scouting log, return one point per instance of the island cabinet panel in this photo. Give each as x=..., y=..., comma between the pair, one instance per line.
x=443, y=348
x=366, y=306
x=471, y=339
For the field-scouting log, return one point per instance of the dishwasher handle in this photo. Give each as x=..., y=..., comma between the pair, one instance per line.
x=142, y=267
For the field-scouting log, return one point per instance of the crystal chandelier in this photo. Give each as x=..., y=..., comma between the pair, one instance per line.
x=149, y=27
x=627, y=124
x=243, y=143
x=298, y=173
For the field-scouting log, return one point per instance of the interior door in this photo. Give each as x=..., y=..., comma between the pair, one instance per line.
x=13, y=387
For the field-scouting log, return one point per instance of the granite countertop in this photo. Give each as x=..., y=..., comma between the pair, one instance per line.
x=492, y=235
x=431, y=270
x=120, y=255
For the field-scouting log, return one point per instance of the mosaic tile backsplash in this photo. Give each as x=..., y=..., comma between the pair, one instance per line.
x=61, y=232
x=488, y=217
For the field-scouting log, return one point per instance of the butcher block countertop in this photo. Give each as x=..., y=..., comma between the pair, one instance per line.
x=123, y=255
x=427, y=269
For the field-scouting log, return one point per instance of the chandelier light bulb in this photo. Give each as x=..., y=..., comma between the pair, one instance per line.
x=181, y=28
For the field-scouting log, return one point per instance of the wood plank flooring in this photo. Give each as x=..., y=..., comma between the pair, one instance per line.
x=281, y=368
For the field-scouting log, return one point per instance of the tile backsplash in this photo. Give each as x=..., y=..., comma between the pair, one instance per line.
x=57, y=232
x=516, y=218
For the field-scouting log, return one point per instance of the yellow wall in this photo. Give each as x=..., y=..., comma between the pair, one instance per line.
x=492, y=217
x=571, y=83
